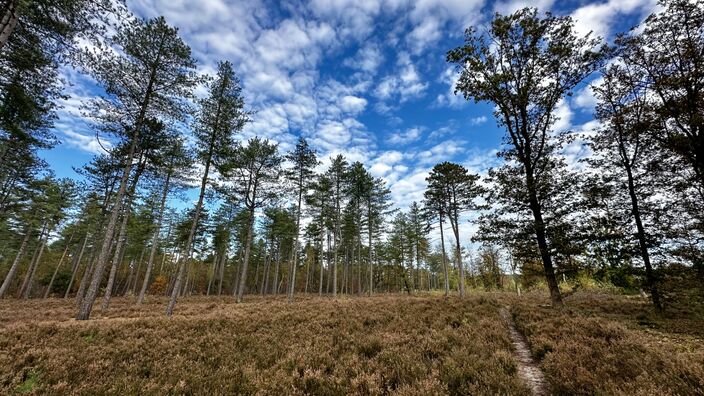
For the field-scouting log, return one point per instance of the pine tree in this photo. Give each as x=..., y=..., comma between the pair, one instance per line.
x=221, y=116
x=146, y=81
x=457, y=190
x=304, y=161
x=525, y=64
x=254, y=170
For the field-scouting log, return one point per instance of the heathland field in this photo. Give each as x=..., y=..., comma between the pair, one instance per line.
x=387, y=344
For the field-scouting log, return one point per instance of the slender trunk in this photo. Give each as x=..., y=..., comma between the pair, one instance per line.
x=294, y=261
x=237, y=266
x=87, y=302
x=221, y=269
x=189, y=242
x=86, y=305
x=305, y=289
x=76, y=265
x=32, y=262
x=166, y=251
x=651, y=282
x=117, y=256
x=155, y=240
x=119, y=249
x=139, y=268
x=8, y=21
x=320, y=284
x=85, y=278
x=247, y=251
x=256, y=275
x=327, y=258
x=541, y=238
x=458, y=254
x=444, y=259
x=345, y=271
x=28, y=289
x=212, y=273
x=56, y=270
x=276, y=268
x=359, y=262
x=126, y=286
x=265, y=277
x=371, y=263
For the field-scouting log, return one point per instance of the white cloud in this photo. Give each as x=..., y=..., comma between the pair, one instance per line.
x=405, y=86
x=563, y=117
x=474, y=121
x=450, y=76
x=509, y=7
x=368, y=58
x=405, y=137
x=600, y=18
x=87, y=143
x=352, y=104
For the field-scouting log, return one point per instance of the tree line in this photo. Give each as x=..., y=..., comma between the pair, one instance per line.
x=267, y=222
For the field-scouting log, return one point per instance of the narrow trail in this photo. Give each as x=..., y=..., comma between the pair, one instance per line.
x=528, y=368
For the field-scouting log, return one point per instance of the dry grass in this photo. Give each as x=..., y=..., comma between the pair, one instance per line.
x=610, y=344
x=382, y=345
x=598, y=344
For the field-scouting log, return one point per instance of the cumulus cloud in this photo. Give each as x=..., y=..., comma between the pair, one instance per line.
x=479, y=120
x=449, y=77
x=509, y=7
x=352, y=104
x=599, y=18
x=87, y=143
x=405, y=137
x=367, y=58
x=404, y=86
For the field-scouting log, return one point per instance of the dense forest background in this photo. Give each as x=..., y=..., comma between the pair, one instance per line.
x=628, y=216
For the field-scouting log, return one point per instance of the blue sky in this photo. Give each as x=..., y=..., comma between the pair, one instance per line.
x=365, y=78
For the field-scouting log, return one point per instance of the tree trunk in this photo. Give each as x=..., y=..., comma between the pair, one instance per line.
x=84, y=279
x=247, y=251
x=265, y=277
x=458, y=256
x=28, y=288
x=444, y=259
x=56, y=270
x=294, y=261
x=189, y=242
x=322, y=263
x=119, y=249
x=155, y=240
x=13, y=269
x=276, y=269
x=135, y=281
x=166, y=251
x=651, y=282
x=221, y=269
x=212, y=275
x=541, y=238
x=305, y=288
x=371, y=263
x=76, y=265
x=32, y=262
x=86, y=305
x=117, y=256
x=8, y=21
x=87, y=302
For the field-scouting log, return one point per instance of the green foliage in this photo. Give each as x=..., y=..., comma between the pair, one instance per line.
x=30, y=382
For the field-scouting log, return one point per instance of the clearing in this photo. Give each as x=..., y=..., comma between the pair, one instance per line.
x=387, y=344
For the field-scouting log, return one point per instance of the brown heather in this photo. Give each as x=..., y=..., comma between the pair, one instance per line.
x=379, y=345
x=614, y=345
x=387, y=344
